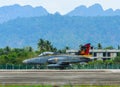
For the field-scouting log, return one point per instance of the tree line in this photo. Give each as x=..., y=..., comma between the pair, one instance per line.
x=10, y=55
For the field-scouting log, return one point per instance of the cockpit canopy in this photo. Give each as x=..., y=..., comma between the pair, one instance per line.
x=46, y=53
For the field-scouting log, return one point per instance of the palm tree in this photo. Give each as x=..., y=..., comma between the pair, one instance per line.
x=45, y=45
x=99, y=46
x=67, y=48
x=7, y=49
x=41, y=45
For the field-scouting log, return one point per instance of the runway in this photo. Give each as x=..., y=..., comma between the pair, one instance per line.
x=91, y=77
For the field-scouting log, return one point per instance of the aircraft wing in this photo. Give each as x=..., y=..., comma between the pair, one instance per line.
x=61, y=64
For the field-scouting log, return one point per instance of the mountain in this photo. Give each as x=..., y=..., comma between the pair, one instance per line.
x=15, y=11
x=94, y=10
x=61, y=31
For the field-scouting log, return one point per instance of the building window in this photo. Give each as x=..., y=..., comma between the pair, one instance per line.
x=118, y=53
x=95, y=54
x=108, y=54
x=104, y=54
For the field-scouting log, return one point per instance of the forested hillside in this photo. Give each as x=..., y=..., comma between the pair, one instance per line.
x=61, y=31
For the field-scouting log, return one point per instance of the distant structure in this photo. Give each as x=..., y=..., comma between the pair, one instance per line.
x=104, y=53
x=99, y=54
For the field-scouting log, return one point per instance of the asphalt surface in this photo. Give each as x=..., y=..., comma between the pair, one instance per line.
x=91, y=77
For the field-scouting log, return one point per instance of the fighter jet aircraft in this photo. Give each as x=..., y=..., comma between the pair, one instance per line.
x=61, y=60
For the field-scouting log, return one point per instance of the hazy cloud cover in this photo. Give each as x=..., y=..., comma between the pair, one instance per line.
x=63, y=6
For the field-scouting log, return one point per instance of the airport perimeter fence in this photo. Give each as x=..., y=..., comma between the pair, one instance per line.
x=75, y=66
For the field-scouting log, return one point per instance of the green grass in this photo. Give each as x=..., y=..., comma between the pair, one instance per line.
x=4, y=85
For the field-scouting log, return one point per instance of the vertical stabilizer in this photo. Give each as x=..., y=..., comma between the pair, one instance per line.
x=85, y=49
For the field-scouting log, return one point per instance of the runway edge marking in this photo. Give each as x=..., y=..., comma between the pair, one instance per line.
x=48, y=70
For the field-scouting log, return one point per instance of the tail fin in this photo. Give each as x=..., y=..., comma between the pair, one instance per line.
x=85, y=49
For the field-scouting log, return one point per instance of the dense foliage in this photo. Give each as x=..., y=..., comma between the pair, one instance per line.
x=17, y=55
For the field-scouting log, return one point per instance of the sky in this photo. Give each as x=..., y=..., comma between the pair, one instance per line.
x=62, y=6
